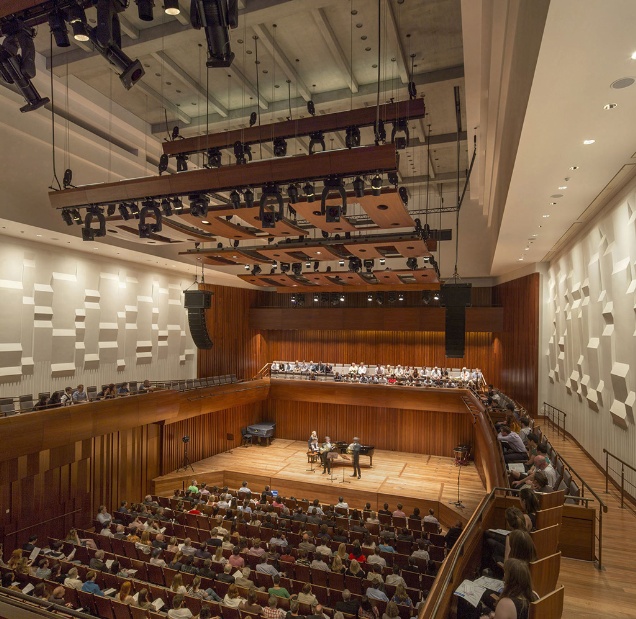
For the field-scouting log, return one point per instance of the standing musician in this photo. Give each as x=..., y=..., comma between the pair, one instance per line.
x=354, y=450
x=324, y=455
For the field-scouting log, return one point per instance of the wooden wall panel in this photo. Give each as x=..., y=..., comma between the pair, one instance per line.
x=516, y=348
x=423, y=348
x=427, y=432
x=237, y=349
x=208, y=434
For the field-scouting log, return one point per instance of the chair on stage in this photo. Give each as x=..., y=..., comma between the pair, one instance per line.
x=247, y=437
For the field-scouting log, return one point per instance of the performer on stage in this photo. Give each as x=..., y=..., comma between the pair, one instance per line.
x=354, y=450
x=312, y=443
x=324, y=455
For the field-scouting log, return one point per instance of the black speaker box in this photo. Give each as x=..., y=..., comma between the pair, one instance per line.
x=199, y=328
x=197, y=299
x=456, y=297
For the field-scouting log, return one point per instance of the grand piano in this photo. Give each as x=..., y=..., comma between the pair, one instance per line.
x=365, y=450
x=262, y=431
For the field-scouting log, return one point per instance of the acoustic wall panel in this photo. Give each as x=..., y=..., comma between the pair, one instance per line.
x=590, y=348
x=68, y=318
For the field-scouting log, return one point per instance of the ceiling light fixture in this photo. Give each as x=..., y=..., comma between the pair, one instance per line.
x=588, y=142
x=610, y=106
x=58, y=28
x=634, y=56
x=574, y=167
x=546, y=216
x=376, y=185
x=563, y=187
x=145, y=9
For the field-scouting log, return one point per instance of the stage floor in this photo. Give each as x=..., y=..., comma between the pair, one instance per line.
x=413, y=479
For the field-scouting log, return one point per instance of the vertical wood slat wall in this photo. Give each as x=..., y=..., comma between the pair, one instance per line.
x=516, y=349
x=237, y=349
x=425, y=432
x=208, y=434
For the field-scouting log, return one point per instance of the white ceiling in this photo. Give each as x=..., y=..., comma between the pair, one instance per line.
x=529, y=123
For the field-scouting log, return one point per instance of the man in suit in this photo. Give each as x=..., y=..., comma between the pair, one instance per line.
x=324, y=455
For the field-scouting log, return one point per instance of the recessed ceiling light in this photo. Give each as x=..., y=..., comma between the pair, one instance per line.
x=610, y=106
x=38, y=235
x=552, y=203
x=205, y=221
x=520, y=259
x=634, y=56
x=574, y=167
x=563, y=187
x=526, y=249
x=587, y=142
x=546, y=216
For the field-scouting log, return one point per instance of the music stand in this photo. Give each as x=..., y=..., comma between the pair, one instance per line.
x=186, y=460
x=344, y=481
x=230, y=438
x=311, y=455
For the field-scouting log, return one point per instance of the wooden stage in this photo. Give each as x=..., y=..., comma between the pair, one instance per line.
x=411, y=479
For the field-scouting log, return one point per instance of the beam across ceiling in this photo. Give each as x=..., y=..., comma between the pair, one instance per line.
x=339, y=121
x=362, y=160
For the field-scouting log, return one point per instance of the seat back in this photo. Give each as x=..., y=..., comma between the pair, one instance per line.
x=26, y=403
x=551, y=499
x=549, y=517
x=545, y=573
x=550, y=605
x=7, y=407
x=546, y=540
x=91, y=392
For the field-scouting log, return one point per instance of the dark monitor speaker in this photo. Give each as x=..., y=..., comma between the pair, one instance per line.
x=197, y=299
x=456, y=297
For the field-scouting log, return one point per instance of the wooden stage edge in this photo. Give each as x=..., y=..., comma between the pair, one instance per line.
x=415, y=480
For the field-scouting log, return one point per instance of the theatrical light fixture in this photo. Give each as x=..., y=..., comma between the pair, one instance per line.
x=171, y=7
x=411, y=263
x=178, y=204
x=216, y=17
x=436, y=296
x=342, y=298
x=284, y=267
x=369, y=297
x=166, y=207
x=341, y=263
x=369, y=264
x=163, y=163
x=333, y=211
x=308, y=265
x=58, y=28
x=382, y=261
x=293, y=299
x=324, y=297
x=316, y=138
x=256, y=270
x=235, y=199
x=235, y=243
x=110, y=210
x=67, y=217
x=311, y=108
x=393, y=178
x=150, y=208
x=400, y=296
x=316, y=298
x=77, y=19
x=352, y=138
x=182, y=162
x=392, y=297
x=145, y=9
x=358, y=187
x=309, y=192
x=248, y=196
x=88, y=232
x=376, y=185
x=280, y=147
x=379, y=298
x=214, y=158
x=253, y=119
x=355, y=264
x=269, y=218
x=247, y=267
x=297, y=268
x=404, y=195
x=292, y=193
x=316, y=265
x=199, y=204
x=242, y=152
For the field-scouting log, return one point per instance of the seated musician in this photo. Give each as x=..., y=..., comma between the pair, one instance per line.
x=379, y=370
x=297, y=367
x=436, y=374
x=337, y=377
x=328, y=368
x=312, y=443
x=362, y=369
x=353, y=369
x=325, y=449
x=274, y=368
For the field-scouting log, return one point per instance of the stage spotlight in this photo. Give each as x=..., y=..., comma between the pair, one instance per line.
x=300, y=300
x=352, y=138
x=77, y=19
x=214, y=158
x=308, y=265
x=123, y=211
x=293, y=299
x=297, y=268
x=280, y=147
x=358, y=187
x=182, y=162
x=341, y=263
x=324, y=297
x=355, y=264
x=333, y=211
x=379, y=132
x=216, y=17
x=17, y=63
x=163, y=164
x=110, y=210
x=292, y=193
x=150, y=208
x=167, y=207
x=284, y=267
x=392, y=297
x=382, y=261
x=311, y=108
x=58, y=28
x=404, y=195
x=324, y=234
x=199, y=204
x=171, y=7
x=77, y=216
x=411, y=263
x=253, y=119
x=334, y=299
x=235, y=243
x=88, y=232
x=342, y=298
x=316, y=265
x=256, y=270
x=317, y=138
x=235, y=199
x=145, y=9
x=242, y=152
x=369, y=264
x=178, y=204
x=401, y=296
x=309, y=192
x=379, y=298
x=247, y=267
x=269, y=218
x=376, y=185
x=316, y=298
x=248, y=196
x=393, y=178
x=67, y=217
x=436, y=296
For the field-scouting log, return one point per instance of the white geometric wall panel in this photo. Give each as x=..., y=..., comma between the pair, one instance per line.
x=589, y=352
x=67, y=318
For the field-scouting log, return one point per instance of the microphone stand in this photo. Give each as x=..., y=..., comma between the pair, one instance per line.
x=458, y=503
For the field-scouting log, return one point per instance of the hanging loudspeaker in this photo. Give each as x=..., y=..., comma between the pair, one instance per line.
x=196, y=302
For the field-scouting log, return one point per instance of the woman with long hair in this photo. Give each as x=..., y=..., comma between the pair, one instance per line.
x=354, y=569
x=337, y=565
x=521, y=546
x=232, y=597
x=401, y=596
x=143, y=599
x=529, y=507
x=391, y=612
x=124, y=593
x=517, y=594
x=367, y=610
x=177, y=584
x=342, y=551
x=218, y=556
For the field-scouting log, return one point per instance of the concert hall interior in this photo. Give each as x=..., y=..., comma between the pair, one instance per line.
x=408, y=226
